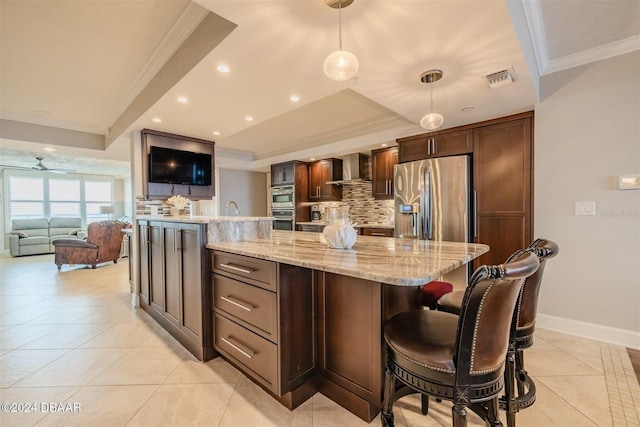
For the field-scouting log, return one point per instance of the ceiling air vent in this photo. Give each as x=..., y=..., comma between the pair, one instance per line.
x=501, y=78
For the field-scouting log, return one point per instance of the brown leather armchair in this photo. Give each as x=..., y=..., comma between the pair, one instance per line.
x=103, y=244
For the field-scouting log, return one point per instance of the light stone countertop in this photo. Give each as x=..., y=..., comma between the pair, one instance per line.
x=203, y=219
x=404, y=262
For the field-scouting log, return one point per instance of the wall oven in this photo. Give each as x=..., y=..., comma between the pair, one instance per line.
x=284, y=219
x=283, y=197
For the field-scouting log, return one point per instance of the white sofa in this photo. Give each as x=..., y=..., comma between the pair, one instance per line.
x=36, y=235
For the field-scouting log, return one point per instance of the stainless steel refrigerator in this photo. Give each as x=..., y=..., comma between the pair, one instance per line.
x=432, y=201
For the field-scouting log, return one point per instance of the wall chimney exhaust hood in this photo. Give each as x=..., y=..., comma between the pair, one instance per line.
x=355, y=168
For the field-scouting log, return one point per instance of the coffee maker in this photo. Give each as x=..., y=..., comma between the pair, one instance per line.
x=316, y=213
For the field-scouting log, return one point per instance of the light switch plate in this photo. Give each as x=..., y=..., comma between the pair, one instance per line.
x=586, y=208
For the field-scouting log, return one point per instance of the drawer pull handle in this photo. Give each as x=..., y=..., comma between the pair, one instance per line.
x=248, y=354
x=378, y=234
x=236, y=268
x=232, y=300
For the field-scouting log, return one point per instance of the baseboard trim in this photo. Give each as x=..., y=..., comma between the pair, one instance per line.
x=593, y=331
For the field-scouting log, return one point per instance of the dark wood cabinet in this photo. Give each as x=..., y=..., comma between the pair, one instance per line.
x=503, y=185
x=157, y=190
x=264, y=323
x=320, y=172
x=144, y=261
x=382, y=162
x=435, y=144
x=283, y=173
x=174, y=281
x=377, y=232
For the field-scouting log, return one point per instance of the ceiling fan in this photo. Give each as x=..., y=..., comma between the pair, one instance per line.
x=40, y=167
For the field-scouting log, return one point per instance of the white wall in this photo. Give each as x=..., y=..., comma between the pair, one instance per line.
x=586, y=134
x=247, y=188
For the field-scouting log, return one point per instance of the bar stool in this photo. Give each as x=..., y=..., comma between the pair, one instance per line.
x=432, y=292
x=522, y=338
x=457, y=358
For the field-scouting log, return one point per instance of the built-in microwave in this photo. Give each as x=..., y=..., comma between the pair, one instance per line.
x=283, y=197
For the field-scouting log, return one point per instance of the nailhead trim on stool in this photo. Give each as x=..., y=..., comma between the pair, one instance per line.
x=432, y=291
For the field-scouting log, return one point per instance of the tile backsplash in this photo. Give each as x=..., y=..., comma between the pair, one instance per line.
x=363, y=208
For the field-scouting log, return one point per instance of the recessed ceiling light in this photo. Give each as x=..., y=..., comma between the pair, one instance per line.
x=223, y=68
x=183, y=99
x=312, y=159
x=468, y=108
x=383, y=145
x=249, y=118
x=294, y=98
x=49, y=149
x=157, y=120
x=215, y=132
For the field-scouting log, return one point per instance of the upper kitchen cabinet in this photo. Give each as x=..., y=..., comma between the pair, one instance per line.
x=382, y=162
x=503, y=185
x=177, y=165
x=435, y=144
x=283, y=174
x=320, y=172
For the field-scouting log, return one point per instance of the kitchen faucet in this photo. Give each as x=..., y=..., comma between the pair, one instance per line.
x=234, y=204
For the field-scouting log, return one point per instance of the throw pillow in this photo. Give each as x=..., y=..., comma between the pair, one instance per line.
x=20, y=234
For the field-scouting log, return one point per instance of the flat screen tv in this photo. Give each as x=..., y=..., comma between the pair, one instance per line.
x=171, y=166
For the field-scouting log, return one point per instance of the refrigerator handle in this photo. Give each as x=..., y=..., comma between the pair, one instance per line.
x=475, y=214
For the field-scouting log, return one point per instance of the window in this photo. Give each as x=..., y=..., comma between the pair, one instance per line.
x=43, y=196
x=96, y=194
x=26, y=197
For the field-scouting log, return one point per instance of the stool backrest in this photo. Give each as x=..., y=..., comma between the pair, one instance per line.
x=486, y=315
x=527, y=305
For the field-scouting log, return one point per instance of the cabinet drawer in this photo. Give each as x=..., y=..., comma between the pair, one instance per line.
x=259, y=272
x=253, y=305
x=249, y=349
x=379, y=232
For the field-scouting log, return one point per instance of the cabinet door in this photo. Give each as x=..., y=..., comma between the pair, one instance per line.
x=435, y=145
x=277, y=175
x=326, y=174
x=382, y=162
x=143, y=257
x=156, y=266
x=315, y=176
x=191, y=280
x=503, y=184
x=172, y=279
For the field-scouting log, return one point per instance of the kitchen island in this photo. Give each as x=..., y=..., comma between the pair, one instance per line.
x=298, y=317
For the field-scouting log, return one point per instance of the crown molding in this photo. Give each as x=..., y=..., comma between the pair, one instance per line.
x=545, y=65
x=51, y=123
x=192, y=15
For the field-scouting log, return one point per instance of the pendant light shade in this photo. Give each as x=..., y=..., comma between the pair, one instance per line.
x=432, y=120
x=341, y=65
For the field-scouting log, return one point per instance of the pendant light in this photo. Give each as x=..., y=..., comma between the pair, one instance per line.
x=340, y=65
x=432, y=120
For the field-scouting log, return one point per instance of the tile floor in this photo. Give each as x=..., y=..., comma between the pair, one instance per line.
x=71, y=338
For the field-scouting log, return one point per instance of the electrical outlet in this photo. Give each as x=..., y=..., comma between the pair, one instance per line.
x=585, y=208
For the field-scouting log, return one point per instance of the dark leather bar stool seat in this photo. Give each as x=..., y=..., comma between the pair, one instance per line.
x=432, y=292
x=457, y=358
x=522, y=337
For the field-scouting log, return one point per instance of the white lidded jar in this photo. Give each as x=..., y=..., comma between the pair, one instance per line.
x=339, y=233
